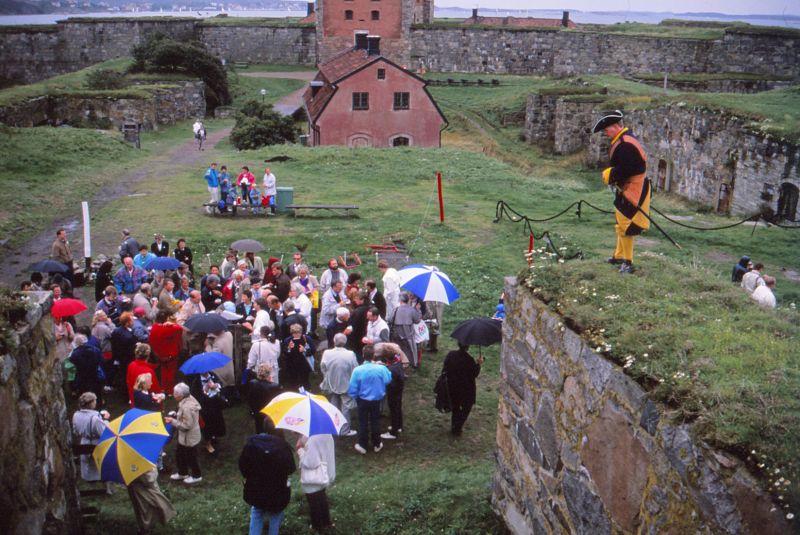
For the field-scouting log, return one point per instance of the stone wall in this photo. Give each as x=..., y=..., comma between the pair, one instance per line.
x=165, y=106
x=704, y=155
x=726, y=85
x=566, y=53
x=581, y=449
x=260, y=44
x=38, y=492
x=28, y=55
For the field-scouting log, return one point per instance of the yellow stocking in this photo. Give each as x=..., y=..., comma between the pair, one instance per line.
x=626, y=242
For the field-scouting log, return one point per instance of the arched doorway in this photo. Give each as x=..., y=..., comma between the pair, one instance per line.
x=401, y=141
x=359, y=141
x=787, y=202
x=661, y=178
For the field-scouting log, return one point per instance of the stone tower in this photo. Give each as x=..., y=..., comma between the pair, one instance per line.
x=338, y=20
x=423, y=12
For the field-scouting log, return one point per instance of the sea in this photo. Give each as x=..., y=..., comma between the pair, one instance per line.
x=585, y=17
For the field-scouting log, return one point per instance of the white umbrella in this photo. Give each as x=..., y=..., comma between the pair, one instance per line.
x=428, y=283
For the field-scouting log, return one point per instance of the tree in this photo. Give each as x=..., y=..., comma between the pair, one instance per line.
x=257, y=125
x=162, y=54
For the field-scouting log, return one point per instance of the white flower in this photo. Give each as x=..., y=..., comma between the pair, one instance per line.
x=789, y=516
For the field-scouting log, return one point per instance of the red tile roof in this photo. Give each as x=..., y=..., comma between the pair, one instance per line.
x=520, y=22
x=345, y=63
x=317, y=103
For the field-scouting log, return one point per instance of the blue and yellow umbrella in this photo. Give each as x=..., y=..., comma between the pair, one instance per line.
x=130, y=446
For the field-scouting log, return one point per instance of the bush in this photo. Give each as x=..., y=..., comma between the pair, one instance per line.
x=257, y=125
x=163, y=54
x=105, y=79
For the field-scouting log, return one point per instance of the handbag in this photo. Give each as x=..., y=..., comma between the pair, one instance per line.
x=316, y=476
x=421, y=333
x=442, y=391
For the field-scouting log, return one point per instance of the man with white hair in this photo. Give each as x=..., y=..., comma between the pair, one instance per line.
x=302, y=304
x=292, y=317
x=331, y=300
x=144, y=299
x=187, y=422
x=129, y=277
x=340, y=324
x=377, y=328
x=193, y=305
x=402, y=323
x=337, y=367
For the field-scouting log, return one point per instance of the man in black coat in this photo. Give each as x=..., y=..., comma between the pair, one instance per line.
x=376, y=297
x=266, y=463
x=291, y=317
x=358, y=324
x=159, y=247
x=461, y=370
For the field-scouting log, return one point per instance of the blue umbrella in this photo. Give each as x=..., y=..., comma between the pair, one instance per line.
x=205, y=362
x=428, y=283
x=48, y=266
x=162, y=263
x=207, y=322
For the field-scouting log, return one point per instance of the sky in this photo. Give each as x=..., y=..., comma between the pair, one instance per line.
x=732, y=7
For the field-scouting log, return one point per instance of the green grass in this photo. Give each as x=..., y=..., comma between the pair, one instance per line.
x=638, y=29
x=244, y=88
x=261, y=67
x=702, y=77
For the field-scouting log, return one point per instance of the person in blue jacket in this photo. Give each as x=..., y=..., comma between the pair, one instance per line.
x=212, y=178
x=368, y=388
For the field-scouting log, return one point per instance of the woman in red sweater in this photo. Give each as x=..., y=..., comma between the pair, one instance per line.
x=140, y=365
x=166, y=340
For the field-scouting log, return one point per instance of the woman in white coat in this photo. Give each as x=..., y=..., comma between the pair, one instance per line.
x=270, y=190
x=317, y=472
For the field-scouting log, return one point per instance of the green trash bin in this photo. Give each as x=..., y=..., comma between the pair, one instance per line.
x=284, y=197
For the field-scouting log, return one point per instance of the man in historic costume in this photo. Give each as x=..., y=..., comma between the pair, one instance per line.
x=627, y=175
x=149, y=503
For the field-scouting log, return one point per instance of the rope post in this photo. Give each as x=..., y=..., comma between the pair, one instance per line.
x=530, y=249
x=441, y=201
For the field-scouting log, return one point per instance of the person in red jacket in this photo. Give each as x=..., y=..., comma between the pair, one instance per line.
x=166, y=340
x=139, y=366
x=244, y=181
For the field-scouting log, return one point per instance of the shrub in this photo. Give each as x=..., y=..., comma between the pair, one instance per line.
x=163, y=54
x=257, y=125
x=105, y=79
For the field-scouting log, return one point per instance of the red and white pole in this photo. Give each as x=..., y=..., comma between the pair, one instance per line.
x=441, y=201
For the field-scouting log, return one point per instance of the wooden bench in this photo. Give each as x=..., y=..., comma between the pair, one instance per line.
x=340, y=209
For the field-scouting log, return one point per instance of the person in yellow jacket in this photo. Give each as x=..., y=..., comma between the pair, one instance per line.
x=627, y=174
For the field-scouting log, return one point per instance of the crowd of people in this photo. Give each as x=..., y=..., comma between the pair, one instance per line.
x=360, y=341
x=227, y=194
x=758, y=285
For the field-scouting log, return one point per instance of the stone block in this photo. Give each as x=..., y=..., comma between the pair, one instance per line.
x=627, y=391
x=527, y=438
x=544, y=428
x=586, y=510
x=650, y=417
x=618, y=464
x=598, y=369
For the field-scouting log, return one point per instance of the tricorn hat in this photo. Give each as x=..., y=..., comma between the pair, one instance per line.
x=607, y=119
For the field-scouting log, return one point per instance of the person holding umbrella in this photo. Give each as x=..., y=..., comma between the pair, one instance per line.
x=207, y=389
x=317, y=472
x=461, y=370
x=87, y=426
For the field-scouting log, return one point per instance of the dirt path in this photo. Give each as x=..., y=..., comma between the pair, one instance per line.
x=294, y=100
x=107, y=240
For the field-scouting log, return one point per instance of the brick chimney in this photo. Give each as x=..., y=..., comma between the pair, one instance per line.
x=565, y=19
x=361, y=39
x=309, y=9
x=374, y=45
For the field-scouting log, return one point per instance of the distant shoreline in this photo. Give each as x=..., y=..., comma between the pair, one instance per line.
x=580, y=17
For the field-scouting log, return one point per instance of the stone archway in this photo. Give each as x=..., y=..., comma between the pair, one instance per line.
x=359, y=141
x=787, y=202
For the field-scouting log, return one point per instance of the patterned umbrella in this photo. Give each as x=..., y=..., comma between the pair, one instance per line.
x=428, y=283
x=130, y=446
x=304, y=413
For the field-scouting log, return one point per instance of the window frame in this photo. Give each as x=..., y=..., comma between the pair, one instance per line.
x=348, y=14
x=381, y=74
x=402, y=103
x=360, y=101
x=375, y=15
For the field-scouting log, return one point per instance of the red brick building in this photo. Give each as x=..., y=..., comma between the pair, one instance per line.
x=338, y=20
x=359, y=98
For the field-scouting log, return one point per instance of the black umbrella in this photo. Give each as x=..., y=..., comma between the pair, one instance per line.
x=248, y=246
x=49, y=266
x=206, y=323
x=478, y=332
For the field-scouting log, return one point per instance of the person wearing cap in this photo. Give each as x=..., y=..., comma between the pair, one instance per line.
x=627, y=174
x=129, y=245
x=139, y=327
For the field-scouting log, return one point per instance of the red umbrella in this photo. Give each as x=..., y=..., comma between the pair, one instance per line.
x=67, y=307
